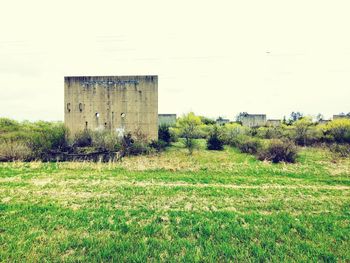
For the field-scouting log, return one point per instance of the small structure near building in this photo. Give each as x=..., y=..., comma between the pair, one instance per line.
x=253, y=120
x=341, y=116
x=273, y=123
x=114, y=103
x=222, y=121
x=167, y=119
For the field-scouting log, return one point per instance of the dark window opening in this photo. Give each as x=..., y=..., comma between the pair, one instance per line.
x=80, y=107
x=86, y=125
x=68, y=107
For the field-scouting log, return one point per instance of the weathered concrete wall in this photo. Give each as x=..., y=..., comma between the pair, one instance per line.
x=114, y=103
x=167, y=119
x=254, y=120
x=273, y=123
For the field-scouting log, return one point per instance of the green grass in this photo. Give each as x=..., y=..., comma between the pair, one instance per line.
x=212, y=206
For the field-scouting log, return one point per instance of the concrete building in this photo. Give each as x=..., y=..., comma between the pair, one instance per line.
x=341, y=116
x=253, y=120
x=273, y=123
x=114, y=103
x=167, y=119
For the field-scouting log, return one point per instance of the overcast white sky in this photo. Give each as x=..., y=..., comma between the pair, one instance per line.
x=212, y=57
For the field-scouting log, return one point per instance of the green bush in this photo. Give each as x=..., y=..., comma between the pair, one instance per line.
x=164, y=134
x=44, y=137
x=207, y=121
x=233, y=132
x=337, y=131
x=189, y=129
x=174, y=134
x=278, y=151
x=269, y=132
x=302, y=127
x=40, y=137
x=248, y=145
x=215, y=140
x=8, y=125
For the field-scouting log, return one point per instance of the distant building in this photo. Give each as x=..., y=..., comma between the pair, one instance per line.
x=222, y=121
x=167, y=119
x=341, y=116
x=273, y=123
x=253, y=120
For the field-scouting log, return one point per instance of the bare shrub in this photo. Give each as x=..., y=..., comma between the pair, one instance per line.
x=105, y=141
x=83, y=139
x=14, y=151
x=278, y=151
x=133, y=146
x=341, y=150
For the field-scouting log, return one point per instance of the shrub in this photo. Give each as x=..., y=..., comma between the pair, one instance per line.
x=269, y=132
x=138, y=148
x=83, y=139
x=189, y=128
x=338, y=131
x=105, y=141
x=215, y=140
x=207, y=121
x=203, y=131
x=340, y=150
x=232, y=133
x=164, y=134
x=14, y=151
x=131, y=146
x=8, y=125
x=248, y=145
x=174, y=134
x=278, y=151
x=301, y=130
x=44, y=137
x=159, y=145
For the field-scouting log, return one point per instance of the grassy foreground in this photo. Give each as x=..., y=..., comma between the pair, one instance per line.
x=212, y=206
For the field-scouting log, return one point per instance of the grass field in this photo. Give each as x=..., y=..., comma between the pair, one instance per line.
x=212, y=206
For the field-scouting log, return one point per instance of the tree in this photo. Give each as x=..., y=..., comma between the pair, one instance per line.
x=302, y=126
x=319, y=117
x=215, y=140
x=240, y=116
x=164, y=134
x=207, y=121
x=188, y=125
x=294, y=116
